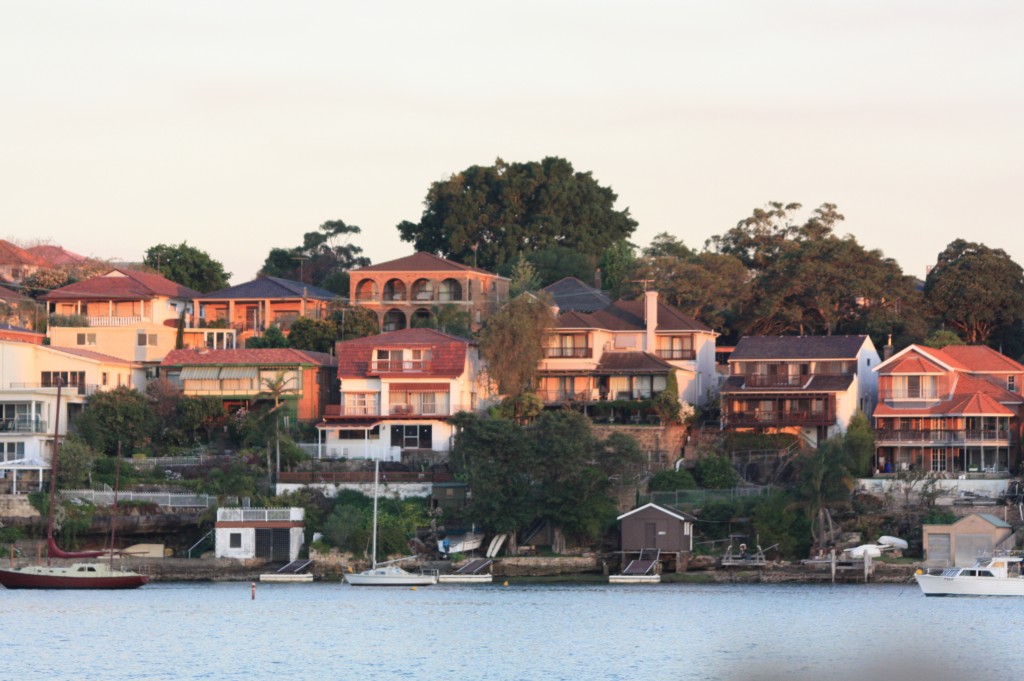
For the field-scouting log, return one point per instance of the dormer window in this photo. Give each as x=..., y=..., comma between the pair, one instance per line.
x=1011, y=383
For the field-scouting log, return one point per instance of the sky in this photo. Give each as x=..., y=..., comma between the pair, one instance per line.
x=238, y=126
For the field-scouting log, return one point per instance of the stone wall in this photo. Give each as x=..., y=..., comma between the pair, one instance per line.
x=668, y=439
x=16, y=506
x=545, y=567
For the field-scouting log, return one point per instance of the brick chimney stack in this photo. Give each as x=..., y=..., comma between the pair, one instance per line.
x=650, y=319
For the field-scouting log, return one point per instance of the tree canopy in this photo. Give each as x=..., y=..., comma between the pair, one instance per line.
x=976, y=290
x=512, y=340
x=324, y=258
x=488, y=215
x=188, y=266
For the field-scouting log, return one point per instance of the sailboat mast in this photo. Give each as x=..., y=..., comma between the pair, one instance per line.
x=53, y=465
x=376, y=475
x=113, y=516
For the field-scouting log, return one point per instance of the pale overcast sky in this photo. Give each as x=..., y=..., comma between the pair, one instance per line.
x=238, y=126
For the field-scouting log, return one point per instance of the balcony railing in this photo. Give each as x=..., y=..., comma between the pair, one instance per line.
x=438, y=409
x=82, y=389
x=116, y=321
x=23, y=425
x=679, y=353
x=944, y=436
x=775, y=381
x=399, y=366
x=577, y=353
x=909, y=394
x=779, y=418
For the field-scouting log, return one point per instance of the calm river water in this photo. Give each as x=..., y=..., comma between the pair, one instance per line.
x=587, y=632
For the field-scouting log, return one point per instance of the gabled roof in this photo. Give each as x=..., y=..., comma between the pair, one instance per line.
x=679, y=515
x=265, y=288
x=16, y=255
x=998, y=522
x=90, y=354
x=628, y=315
x=421, y=262
x=249, y=356
x=798, y=347
x=122, y=284
x=971, y=396
x=983, y=359
x=55, y=256
x=447, y=353
x=915, y=364
x=571, y=294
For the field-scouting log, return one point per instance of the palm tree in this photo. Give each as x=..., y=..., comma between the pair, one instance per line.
x=825, y=484
x=274, y=389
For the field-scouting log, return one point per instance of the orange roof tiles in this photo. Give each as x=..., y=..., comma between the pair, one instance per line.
x=982, y=359
x=420, y=262
x=447, y=353
x=125, y=285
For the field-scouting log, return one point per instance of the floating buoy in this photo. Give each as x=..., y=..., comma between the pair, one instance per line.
x=506, y=583
x=743, y=547
x=412, y=588
x=254, y=591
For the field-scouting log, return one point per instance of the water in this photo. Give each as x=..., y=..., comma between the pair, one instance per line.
x=591, y=632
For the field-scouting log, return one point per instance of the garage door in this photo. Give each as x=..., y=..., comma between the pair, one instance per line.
x=971, y=547
x=937, y=550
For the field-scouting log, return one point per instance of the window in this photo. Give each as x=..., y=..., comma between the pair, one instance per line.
x=1011, y=383
x=235, y=540
x=147, y=339
x=49, y=379
x=412, y=436
x=105, y=377
x=12, y=451
x=86, y=339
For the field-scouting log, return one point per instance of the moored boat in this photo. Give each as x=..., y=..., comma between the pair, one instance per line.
x=997, y=576
x=74, y=576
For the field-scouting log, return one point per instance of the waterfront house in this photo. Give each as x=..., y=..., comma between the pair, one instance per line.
x=29, y=375
x=809, y=386
x=651, y=526
x=251, y=308
x=624, y=350
x=967, y=540
x=399, y=391
x=128, y=314
x=408, y=291
x=240, y=377
x=952, y=411
x=269, y=534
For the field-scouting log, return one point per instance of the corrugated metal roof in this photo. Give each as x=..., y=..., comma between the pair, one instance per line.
x=239, y=372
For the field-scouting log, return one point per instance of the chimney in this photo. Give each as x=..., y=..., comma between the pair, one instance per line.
x=650, y=319
x=887, y=350
x=597, y=278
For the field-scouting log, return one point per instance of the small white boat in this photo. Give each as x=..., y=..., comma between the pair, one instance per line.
x=998, y=576
x=462, y=542
x=387, y=574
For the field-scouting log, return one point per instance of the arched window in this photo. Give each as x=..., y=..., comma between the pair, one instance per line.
x=450, y=290
x=367, y=291
x=422, y=289
x=394, y=290
x=421, y=318
x=394, y=320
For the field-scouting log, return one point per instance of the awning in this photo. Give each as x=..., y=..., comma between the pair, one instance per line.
x=239, y=372
x=199, y=373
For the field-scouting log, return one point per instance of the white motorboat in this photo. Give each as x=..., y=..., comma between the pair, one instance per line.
x=387, y=573
x=997, y=576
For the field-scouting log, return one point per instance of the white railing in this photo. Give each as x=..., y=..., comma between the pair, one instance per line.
x=163, y=499
x=116, y=321
x=260, y=514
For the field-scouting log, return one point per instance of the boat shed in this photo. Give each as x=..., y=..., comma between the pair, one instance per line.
x=964, y=542
x=655, y=527
x=268, y=534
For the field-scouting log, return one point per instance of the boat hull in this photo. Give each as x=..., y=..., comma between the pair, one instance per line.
x=74, y=577
x=937, y=585
x=391, y=576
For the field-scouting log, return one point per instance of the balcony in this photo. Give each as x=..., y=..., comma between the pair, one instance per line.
x=945, y=437
x=23, y=425
x=765, y=418
x=80, y=389
x=399, y=366
x=775, y=380
x=677, y=354
x=439, y=409
x=563, y=353
x=909, y=394
x=117, y=321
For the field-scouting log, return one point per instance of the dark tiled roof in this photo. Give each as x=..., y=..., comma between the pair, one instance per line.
x=819, y=383
x=270, y=288
x=571, y=294
x=797, y=347
x=133, y=285
x=16, y=255
x=632, y=363
x=420, y=262
x=628, y=315
x=55, y=256
x=249, y=356
x=447, y=353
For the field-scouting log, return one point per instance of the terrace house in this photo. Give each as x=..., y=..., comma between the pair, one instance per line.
x=239, y=378
x=128, y=314
x=29, y=377
x=952, y=411
x=399, y=391
x=252, y=307
x=623, y=351
x=805, y=385
x=408, y=289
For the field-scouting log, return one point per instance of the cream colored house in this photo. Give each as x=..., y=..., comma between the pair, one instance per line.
x=29, y=375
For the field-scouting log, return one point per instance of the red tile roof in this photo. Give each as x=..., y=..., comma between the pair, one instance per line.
x=982, y=359
x=89, y=354
x=447, y=353
x=253, y=356
x=122, y=284
x=55, y=256
x=419, y=262
x=915, y=364
x=16, y=255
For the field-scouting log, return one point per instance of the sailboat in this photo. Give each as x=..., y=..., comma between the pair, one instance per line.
x=93, y=575
x=387, y=573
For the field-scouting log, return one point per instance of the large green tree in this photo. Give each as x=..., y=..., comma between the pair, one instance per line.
x=512, y=342
x=188, y=266
x=120, y=415
x=488, y=215
x=323, y=259
x=977, y=290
